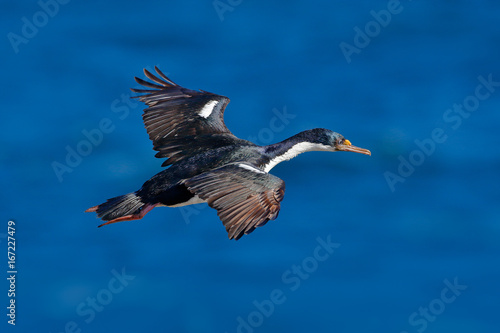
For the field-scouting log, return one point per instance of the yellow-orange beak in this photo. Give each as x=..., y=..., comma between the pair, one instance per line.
x=347, y=146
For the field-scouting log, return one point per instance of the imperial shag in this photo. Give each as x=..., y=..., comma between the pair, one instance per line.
x=208, y=163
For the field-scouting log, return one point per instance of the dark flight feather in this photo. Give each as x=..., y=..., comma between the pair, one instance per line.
x=244, y=198
x=174, y=115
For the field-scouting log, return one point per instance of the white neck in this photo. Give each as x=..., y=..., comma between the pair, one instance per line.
x=293, y=151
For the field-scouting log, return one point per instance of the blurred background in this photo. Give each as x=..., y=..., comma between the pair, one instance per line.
x=403, y=241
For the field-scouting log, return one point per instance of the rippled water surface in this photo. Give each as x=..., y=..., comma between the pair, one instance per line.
x=403, y=241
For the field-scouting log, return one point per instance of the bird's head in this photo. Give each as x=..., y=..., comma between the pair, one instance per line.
x=333, y=141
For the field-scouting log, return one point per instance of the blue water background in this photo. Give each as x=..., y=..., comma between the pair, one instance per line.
x=395, y=246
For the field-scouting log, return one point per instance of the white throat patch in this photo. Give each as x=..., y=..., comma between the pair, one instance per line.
x=298, y=148
x=208, y=109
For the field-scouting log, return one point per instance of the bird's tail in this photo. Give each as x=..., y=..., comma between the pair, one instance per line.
x=122, y=208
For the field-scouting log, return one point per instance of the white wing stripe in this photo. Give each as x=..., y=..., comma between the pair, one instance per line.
x=251, y=168
x=208, y=109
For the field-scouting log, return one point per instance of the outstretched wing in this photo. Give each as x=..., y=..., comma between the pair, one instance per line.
x=244, y=196
x=176, y=117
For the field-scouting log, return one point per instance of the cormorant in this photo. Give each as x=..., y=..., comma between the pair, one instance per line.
x=208, y=163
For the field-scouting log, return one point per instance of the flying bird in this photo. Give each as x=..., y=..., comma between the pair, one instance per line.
x=208, y=163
